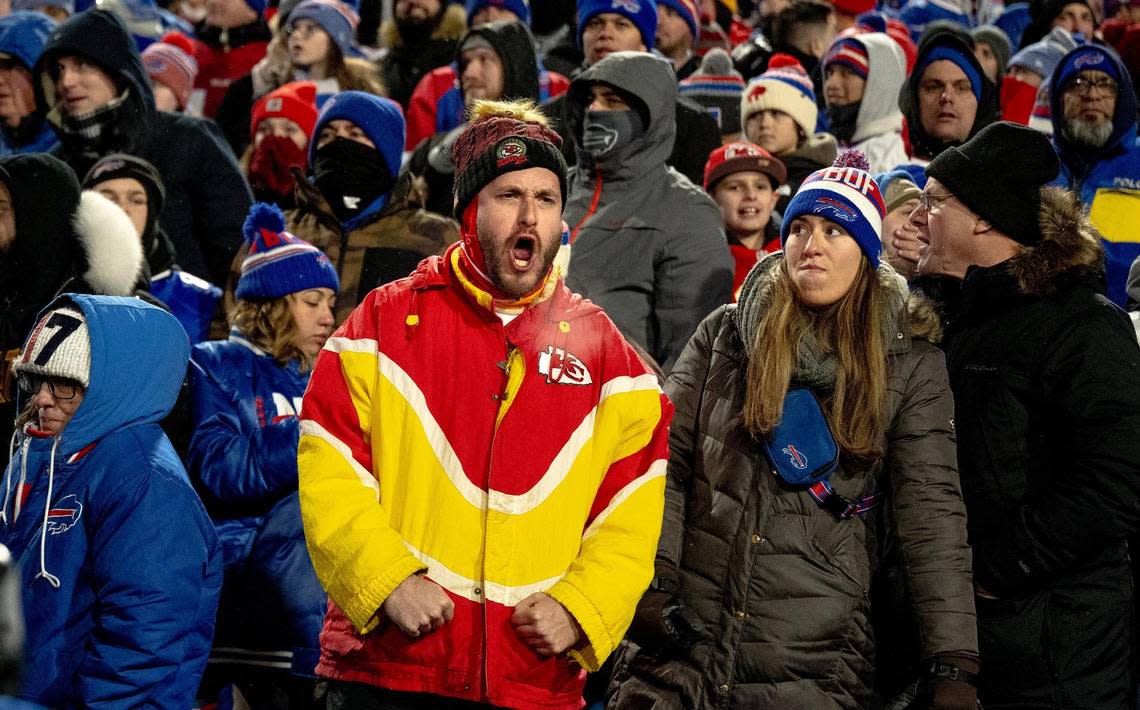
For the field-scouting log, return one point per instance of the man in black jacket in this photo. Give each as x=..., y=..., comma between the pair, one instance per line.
x=101, y=102
x=1046, y=378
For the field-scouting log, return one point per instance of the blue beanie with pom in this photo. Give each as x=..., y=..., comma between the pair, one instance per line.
x=279, y=263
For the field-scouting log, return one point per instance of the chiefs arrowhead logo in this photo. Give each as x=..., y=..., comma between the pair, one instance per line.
x=560, y=367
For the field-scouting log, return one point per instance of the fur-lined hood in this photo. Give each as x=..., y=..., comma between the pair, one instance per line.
x=451, y=25
x=1070, y=247
x=113, y=251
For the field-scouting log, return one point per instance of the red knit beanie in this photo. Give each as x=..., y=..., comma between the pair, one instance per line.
x=296, y=101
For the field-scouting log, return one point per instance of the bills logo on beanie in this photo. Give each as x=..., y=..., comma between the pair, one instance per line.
x=59, y=346
x=846, y=194
x=785, y=87
x=279, y=263
x=642, y=13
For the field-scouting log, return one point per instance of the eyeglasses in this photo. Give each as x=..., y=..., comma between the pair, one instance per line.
x=928, y=201
x=60, y=387
x=1083, y=86
x=302, y=29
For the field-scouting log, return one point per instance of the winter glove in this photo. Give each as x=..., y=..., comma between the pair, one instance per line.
x=664, y=624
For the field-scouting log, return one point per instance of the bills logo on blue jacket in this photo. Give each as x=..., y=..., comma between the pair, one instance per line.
x=798, y=460
x=64, y=515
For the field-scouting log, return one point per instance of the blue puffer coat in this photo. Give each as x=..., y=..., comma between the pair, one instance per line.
x=120, y=566
x=1108, y=178
x=243, y=458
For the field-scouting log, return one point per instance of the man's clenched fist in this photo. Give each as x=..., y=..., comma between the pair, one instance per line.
x=418, y=606
x=545, y=625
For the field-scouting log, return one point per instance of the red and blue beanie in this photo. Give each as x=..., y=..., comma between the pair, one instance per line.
x=521, y=8
x=642, y=13
x=337, y=19
x=786, y=87
x=279, y=263
x=382, y=120
x=846, y=194
x=848, y=52
x=689, y=11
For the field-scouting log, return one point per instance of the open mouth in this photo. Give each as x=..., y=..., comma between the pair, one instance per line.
x=522, y=253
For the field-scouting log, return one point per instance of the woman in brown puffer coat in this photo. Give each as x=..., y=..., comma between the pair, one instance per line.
x=762, y=593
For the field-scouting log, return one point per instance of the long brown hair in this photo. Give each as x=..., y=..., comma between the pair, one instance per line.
x=270, y=326
x=850, y=331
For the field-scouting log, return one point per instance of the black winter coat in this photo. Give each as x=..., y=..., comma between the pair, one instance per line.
x=781, y=585
x=206, y=197
x=1046, y=378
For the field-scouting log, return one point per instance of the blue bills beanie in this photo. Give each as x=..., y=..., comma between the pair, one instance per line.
x=279, y=263
x=642, y=13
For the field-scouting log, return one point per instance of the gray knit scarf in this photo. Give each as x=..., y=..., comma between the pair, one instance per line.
x=815, y=363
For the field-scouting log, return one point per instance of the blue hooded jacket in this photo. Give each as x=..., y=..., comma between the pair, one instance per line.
x=120, y=565
x=1108, y=178
x=23, y=35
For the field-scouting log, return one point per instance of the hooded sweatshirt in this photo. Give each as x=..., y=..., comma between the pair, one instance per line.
x=64, y=239
x=206, y=196
x=648, y=246
x=22, y=37
x=925, y=147
x=878, y=127
x=1107, y=178
x=119, y=563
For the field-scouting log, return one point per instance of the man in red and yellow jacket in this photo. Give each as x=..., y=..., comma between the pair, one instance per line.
x=482, y=458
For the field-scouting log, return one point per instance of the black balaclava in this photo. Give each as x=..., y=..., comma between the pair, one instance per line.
x=350, y=175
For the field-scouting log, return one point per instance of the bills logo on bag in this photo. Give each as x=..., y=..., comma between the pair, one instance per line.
x=797, y=459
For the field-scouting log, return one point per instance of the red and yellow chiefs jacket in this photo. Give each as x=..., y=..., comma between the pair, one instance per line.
x=501, y=460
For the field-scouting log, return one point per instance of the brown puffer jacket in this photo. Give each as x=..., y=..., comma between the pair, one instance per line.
x=781, y=585
x=382, y=250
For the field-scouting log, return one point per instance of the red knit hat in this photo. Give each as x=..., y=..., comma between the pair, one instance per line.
x=853, y=7
x=171, y=63
x=296, y=101
x=741, y=157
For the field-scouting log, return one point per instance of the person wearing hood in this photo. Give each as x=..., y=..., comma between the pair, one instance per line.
x=779, y=113
x=1094, y=131
x=1024, y=89
x=23, y=127
x=992, y=50
x=1044, y=374
x=422, y=35
x=91, y=77
x=947, y=98
x=135, y=187
x=246, y=393
x=230, y=40
x=862, y=78
x=646, y=244
x=1075, y=16
x=766, y=558
x=54, y=238
x=482, y=458
x=606, y=26
x=314, y=42
x=356, y=206
x=120, y=566
x=496, y=61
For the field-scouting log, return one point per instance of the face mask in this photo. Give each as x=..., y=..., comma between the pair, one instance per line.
x=270, y=168
x=605, y=133
x=841, y=121
x=350, y=175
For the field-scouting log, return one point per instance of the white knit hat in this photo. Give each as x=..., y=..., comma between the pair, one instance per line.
x=784, y=87
x=59, y=346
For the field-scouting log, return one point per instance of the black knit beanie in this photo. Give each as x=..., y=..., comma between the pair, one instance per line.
x=999, y=174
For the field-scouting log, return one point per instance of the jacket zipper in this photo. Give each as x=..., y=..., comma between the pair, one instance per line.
x=486, y=680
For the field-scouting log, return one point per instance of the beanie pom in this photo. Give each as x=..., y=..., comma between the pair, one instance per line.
x=779, y=59
x=179, y=40
x=716, y=63
x=263, y=215
x=852, y=158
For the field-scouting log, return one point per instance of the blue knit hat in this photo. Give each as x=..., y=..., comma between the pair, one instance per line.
x=688, y=11
x=642, y=13
x=951, y=54
x=381, y=119
x=846, y=194
x=337, y=19
x=35, y=5
x=24, y=34
x=279, y=263
x=521, y=8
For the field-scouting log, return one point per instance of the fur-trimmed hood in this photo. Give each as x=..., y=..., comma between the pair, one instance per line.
x=452, y=25
x=113, y=251
x=1070, y=247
